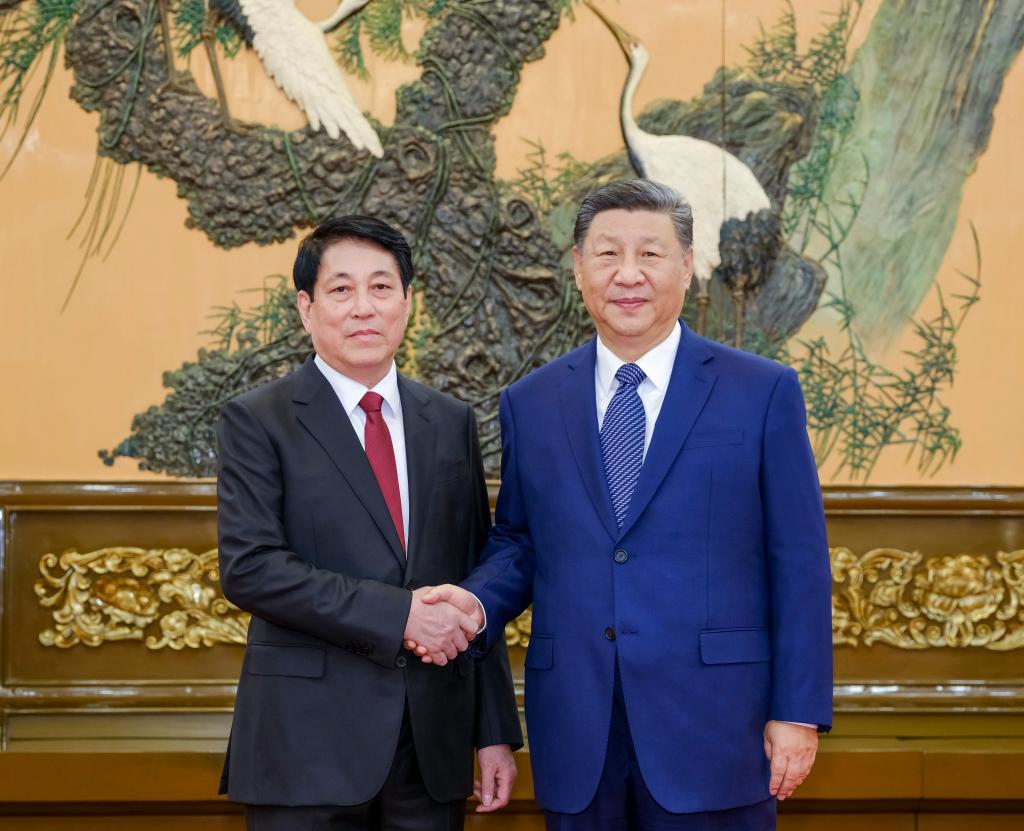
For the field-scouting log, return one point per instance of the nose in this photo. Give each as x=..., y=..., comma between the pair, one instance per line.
x=629, y=273
x=362, y=307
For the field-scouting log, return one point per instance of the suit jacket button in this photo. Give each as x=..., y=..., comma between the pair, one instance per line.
x=621, y=556
x=609, y=633
x=400, y=661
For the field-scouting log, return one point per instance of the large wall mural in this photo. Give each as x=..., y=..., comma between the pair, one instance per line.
x=826, y=181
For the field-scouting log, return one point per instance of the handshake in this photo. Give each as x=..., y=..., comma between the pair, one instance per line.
x=443, y=621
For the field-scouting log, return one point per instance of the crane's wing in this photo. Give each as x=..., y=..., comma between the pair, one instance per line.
x=295, y=54
x=717, y=185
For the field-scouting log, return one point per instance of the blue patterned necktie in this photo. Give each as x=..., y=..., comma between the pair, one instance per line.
x=622, y=439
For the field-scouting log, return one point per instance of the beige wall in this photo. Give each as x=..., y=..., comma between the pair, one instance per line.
x=72, y=380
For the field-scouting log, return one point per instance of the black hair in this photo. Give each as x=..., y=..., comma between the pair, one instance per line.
x=635, y=195
x=337, y=228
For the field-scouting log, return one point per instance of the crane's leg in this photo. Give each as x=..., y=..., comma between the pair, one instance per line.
x=703, y=299
x=346, y=8
x=174, y=77
x=739, y=299
x=222, y=99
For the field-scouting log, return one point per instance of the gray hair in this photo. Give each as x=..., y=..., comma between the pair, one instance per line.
x=635, y=195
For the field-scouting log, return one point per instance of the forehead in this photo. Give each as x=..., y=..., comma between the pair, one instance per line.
x=355, y=258
x=632, y=227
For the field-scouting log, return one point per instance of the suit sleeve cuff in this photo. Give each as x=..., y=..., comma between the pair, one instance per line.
x=483, y=613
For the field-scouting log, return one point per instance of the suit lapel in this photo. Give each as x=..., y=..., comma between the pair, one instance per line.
x=688, y=390
x=320, y=412
x=579, y=412
x=420, y=444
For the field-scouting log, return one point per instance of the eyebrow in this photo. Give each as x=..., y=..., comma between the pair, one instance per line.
x=375, y=274
x=604, y=236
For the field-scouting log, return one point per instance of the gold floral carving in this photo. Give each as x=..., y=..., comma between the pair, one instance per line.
x=172, y=598
x=517, y=633
x=962, y=600
x=117, y=594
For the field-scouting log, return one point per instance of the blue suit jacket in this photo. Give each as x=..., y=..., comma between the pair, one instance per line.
x=717, y=589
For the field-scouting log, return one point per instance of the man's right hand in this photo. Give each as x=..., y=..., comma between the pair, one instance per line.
x=441, y=630
x=447, y=595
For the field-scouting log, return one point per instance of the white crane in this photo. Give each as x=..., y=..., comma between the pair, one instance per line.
x=717, y=185
x=295, y=54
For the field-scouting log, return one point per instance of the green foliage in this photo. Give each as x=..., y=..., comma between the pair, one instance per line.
x=808, y=178
x=192, y=19
x=566, y=7
x=381, y=22
x=189, y=20
x=856, y=407
x=544, y=183
x=228, y=39
x=349, y=49
x=776, y=57
x=273, y=318
x=27, y=33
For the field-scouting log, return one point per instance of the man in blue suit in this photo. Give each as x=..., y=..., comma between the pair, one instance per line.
x=660, y=508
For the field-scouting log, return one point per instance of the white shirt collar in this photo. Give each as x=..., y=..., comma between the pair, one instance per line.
x=656, y=363
x=350, y=392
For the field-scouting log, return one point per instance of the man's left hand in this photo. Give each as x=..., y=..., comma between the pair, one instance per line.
x=791, y=749
x=497, y=775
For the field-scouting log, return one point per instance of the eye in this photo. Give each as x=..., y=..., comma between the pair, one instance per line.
x=340, y=290
x=650, y=254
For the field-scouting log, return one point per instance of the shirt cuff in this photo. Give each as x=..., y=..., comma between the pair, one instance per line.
x=797, y=723
x=483, y=612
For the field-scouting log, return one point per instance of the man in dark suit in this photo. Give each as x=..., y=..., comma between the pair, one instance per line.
x=343, y=487
x=660, y=507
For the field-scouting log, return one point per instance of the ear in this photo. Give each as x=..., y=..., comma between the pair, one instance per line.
x=407, y=302
x=304, y=301
x=577, y=265
x=687, y=268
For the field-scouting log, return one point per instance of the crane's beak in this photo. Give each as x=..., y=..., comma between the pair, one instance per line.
x=623, y=37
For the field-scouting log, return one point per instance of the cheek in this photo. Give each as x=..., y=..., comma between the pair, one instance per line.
x=328, y=321
x=399, y=321
x=593, y=288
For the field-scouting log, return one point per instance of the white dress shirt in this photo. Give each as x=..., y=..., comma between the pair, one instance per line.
x=657, y=365
x=350, y=393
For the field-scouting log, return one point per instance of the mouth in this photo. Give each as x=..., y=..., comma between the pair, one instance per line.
x=364, y=334
x=629, y=303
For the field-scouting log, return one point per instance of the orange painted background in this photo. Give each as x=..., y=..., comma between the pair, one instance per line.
x=72, y=380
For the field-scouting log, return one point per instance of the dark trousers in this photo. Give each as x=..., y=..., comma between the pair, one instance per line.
x=623, y=803
x=403, y=804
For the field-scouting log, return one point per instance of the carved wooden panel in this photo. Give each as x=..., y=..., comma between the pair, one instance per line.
x=111, y=593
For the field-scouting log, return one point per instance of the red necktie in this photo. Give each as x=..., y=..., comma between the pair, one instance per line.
x=381, y=455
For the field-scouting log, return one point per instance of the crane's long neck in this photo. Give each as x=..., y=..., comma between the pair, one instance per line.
x=345, y=10
x=630, y=131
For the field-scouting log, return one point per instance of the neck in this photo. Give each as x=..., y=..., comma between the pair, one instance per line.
x=345, y=10
x=369, y=377
x=629, y=126
x=631, y=349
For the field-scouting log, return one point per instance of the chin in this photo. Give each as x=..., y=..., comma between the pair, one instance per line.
x=631, y=328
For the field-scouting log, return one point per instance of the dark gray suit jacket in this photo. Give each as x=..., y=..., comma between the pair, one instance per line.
x=308, y=547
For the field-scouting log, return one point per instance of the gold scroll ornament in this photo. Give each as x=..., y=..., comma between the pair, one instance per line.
x=517, y=633
x=116, y=594
x=884, y=596
x=961, y=600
